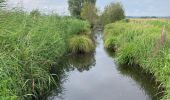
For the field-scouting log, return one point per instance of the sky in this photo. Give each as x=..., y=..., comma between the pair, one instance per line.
x=132, y=7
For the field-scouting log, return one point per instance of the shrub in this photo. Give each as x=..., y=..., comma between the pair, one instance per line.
x=113, y=12
x=89, y=13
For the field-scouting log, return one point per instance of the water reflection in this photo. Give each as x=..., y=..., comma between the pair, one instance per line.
x=145, y=80
x=96, y=76
x=81, y=62
x=60, y=71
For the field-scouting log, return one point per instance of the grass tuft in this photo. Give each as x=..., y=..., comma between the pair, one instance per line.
x=81, y=44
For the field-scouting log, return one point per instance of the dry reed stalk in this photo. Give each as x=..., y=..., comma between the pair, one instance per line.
x=159, y=43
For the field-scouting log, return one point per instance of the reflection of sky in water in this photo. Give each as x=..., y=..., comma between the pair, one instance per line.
x=105, y=81
x=132, y=7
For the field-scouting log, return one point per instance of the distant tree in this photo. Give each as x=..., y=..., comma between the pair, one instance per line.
x=75, y=6
x=35, y=13
x=2, y=3
x=113, y=12
x=89, y=12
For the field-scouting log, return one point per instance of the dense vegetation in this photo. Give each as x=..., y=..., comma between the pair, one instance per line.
x=89, y=13
x=75, y=6
x=112, y=13
x=2, y=3
x=81, y=44
x=29, y=45
x=143, y=42
x=87, y=10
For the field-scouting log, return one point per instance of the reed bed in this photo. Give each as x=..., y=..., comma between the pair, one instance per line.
x=146, y=43
x=29, y=45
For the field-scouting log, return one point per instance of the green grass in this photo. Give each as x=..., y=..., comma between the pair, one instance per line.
x=29, y=46
x=81, y=44
x=141, y=43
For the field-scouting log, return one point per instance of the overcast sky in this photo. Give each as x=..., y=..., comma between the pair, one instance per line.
x=132, y=7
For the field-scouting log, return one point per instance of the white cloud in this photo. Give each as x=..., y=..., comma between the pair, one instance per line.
x=132, y=7
x=58, y=6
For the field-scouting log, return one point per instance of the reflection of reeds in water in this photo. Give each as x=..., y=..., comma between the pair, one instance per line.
x=145, y=80
x=81, y=62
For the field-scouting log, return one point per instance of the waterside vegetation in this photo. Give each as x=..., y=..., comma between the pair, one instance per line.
x=145, y=43
x=29, y=45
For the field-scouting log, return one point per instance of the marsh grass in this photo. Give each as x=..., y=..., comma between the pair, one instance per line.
x=110, y=43
x=81, y=44
x=28, y=48
x=136, y=42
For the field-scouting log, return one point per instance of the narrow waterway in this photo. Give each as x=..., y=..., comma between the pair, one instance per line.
x=98, y=77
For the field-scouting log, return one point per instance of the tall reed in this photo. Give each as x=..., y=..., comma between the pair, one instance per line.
x=29, y=46
x=143, y=43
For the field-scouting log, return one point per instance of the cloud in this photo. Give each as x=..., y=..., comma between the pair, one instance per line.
x=142, y=7
x=132, y=7
x=147, y=7
x=58, y=6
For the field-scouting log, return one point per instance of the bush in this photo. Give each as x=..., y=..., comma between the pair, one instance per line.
x=113, y=12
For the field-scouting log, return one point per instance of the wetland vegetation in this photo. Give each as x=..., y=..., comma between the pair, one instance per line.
x=142, y=42
x=45, y=56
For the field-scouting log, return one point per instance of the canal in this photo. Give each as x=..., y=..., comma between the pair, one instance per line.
x=97, y=76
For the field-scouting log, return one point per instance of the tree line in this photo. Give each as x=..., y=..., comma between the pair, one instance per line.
x=87, y=10
x=2, y=3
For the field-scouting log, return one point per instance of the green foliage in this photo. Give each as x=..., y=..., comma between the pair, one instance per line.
x=28, y=48
x=81, y=44
x=89, y=13
x=126, y=54
x=2, y=3
x=143, y=43
x=75, y=6
x=35, y=13
x=110, y=43
x=79, y=28
x=112, y=12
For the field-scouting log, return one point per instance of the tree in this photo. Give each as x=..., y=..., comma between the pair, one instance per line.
x=112, y=13
x=75, y=6
x=89, y=12
x=2, y=3
x=35, y=13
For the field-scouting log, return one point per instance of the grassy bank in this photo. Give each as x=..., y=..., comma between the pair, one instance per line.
x=143, y=42
x=29, y=45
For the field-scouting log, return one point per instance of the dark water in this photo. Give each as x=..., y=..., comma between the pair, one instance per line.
x=97, y=77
